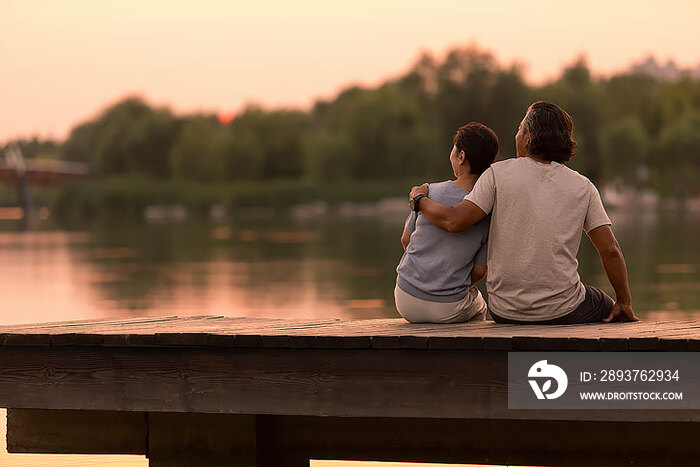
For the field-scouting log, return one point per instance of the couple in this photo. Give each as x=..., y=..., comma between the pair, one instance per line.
x=526, y=248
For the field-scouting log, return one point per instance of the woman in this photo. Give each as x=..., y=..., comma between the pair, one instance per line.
x=538, y=209
x=438, y=272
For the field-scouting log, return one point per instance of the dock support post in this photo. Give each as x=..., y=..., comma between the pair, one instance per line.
x=75, y=431
x=193, y=440
x=196, y=439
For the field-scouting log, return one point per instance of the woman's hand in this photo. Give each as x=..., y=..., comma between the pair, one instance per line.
x=418, y=190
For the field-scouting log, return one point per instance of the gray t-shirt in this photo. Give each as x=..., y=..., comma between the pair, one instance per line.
x=437, y=265
x=538, y=214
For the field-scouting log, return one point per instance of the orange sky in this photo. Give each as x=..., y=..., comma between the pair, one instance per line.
x=62, y=61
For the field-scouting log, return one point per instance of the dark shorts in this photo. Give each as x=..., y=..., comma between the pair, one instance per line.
x=595, y=306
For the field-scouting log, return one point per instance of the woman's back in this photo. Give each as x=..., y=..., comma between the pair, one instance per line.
x=437, y=265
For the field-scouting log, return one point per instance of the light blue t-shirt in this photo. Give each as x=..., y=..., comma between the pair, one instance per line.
x=437, y=265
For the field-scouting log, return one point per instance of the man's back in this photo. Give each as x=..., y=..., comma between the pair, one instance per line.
x=538, y=213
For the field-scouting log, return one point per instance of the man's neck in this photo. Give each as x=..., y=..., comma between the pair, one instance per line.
x=539, y=159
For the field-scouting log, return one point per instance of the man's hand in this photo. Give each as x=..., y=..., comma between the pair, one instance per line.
x=418, y=190
x=621, y=312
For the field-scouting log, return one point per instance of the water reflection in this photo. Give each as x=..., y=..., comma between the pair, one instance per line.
x=286, y=268
x=331, y=267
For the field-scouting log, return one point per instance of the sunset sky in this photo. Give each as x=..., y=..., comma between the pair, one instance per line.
x=63, y=61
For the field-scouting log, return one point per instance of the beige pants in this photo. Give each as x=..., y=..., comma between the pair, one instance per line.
x=416, y=310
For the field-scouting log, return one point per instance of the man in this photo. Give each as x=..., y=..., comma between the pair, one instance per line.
x=538, y=208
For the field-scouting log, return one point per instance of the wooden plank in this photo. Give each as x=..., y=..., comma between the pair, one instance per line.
x=385, y=333
x=526, y=343
x=465, y=342
x=611, y=344
x=385, y=342
x=497, y=343
x=643, y=343
x=59, y=325
x=58, y=335
x=181, y=338
x=41, y=334
x=191, y=439
x=76, y=431
x=322, y=382
x=341, y=342
x=583, y=345
x=378, y=333
x=413, y=342
x=116, y=333
x=674, y=345
x=25, y=339
x=400, y=327
x=501, y=442
x=79, y=322
x=111, y=326
x=155, y=325
x=270, y=334
x=183, y=439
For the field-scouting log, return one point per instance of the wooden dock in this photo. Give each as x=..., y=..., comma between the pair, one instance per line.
x=213, y=390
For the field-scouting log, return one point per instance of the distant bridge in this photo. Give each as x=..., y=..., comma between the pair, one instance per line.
x=20, y=173
x=44, y=172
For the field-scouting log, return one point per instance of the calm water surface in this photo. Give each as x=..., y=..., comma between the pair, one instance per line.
x=280, y=267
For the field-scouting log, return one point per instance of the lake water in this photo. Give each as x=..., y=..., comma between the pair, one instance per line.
x=281, y=267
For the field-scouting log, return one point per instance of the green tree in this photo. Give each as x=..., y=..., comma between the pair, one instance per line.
x=35, y=148
x=201, y=150
x=277, y=135
x=80, y=145
x=582, y=98
x=676, y=160
x=128, y=138
x=676, y=99
x=403, y=128
x=624, y=150
x=328, y=156
x=472, y=87
x=379, y=134
x=632, y=95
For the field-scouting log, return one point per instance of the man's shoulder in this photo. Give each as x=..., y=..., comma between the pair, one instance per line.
x=507, y=162
x=507, y=168
x=516, y=163
x=575, y=176
x=512, y=163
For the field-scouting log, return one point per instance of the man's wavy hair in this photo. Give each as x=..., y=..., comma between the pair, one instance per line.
x=550, y=132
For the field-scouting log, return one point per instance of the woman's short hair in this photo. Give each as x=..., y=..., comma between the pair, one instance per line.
x=479, y=143
x=550, y=132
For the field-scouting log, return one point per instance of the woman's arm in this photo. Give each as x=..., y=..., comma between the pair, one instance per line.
x=408, y=228
x=478, y=272
x=405, y=238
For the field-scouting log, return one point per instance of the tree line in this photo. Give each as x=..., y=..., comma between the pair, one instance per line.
x=630, y=127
